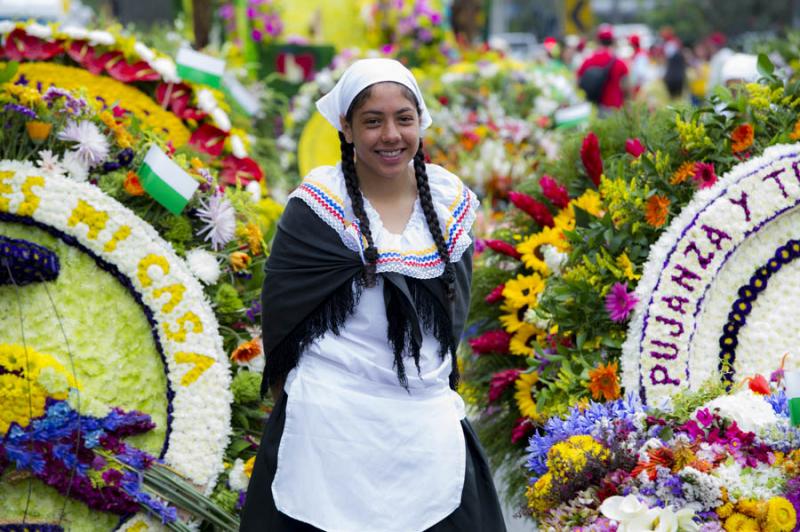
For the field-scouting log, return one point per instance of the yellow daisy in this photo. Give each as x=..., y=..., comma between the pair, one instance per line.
x=524, y=290
x=530, y=248
x=522, y=341
x=526, y=387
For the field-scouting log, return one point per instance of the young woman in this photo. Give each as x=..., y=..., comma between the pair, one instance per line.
x=365, y=297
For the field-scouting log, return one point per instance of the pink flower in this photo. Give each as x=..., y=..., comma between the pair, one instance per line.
x=503, y=247
x=535, y=209
x=500, y=382
x=591, y=158
x=704, y=175
x=634, y=147
x=619, y=302
x=495, y=341
x=495, y=295
x=523, y=427
x=705, y=417
x=557, y=194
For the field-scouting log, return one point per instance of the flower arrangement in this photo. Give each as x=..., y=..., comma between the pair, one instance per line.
x=563, y=274
x=718, y=461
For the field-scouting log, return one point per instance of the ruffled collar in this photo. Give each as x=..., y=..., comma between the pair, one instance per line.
x=413, y=252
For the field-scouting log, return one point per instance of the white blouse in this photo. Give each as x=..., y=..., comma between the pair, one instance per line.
x=359, y=452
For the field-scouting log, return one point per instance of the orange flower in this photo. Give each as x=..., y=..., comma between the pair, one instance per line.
x=657, y=210
x=742, y=138
x=254, y=237
x=247, y=351
x=795, y=135
x=603, y=381
x=240, y=260
x=37, y=130
x=132, y=185
x=684, y=171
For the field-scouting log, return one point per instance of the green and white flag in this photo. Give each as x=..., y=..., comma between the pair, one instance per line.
x=165, y=181
x=791, y=380
x=200, y=68
x=241, y=97
x=572, y=116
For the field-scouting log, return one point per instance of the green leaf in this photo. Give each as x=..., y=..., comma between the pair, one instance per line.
x=236, y=448
x=582, y=218
x=8, y=71
x=765, y=66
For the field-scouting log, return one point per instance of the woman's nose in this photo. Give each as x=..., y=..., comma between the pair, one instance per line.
x=390, y=132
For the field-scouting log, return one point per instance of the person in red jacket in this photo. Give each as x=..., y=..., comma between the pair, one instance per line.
x=604, y=76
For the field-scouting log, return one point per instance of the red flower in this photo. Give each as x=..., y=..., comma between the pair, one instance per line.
x=500, y=382
x=495, y=295
x=208, y=139
x=590, y=155
x=523, y=428
x=126, y=72
x=704, y=175
x=495, y=341
x=535, y=209
x=503, y=247
x=557, y=194
x=19, y=45
x=758, y=384
x=245, y=170
x=634, y=147
x=85, y=55
x=177, y=97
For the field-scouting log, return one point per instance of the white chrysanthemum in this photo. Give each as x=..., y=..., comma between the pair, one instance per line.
x=220, y=219
x=750, y=411
x=50, y=164
x=101, y=37
x=203, y=265
x=554, y=259
x=166, y=69
x=220, y=118
x=144, y=52
x=254, y=188
x=92, y=146
x=75, y=168
x=206, y=101
x=75, y=32
x=237, y=147
x=237, y=478
x=39, y=30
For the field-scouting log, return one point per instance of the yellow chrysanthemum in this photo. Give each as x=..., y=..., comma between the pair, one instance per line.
x=28, y=379
x=253, y=235
x=540, y=496
x=569, y=457
x=781, y=515
x=524, y=290
x=725, y=510
x=754, y=508
x=522, y=341
x=625, y=264
x=741, y=523
x=530, y=248
x=112, y=92
x=525, y=385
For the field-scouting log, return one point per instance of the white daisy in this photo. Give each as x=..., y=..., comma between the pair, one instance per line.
x=203, y=265
x=75, y=167
x=220, y=219
x=92, y=144
x=49, y=163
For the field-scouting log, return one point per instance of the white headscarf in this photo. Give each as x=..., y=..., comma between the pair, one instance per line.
x=359, y=76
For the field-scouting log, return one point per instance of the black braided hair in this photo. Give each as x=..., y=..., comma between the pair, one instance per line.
x=351, y=181
x=426, y=202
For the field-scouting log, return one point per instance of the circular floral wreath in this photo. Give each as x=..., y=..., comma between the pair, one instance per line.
x=184, y=326
x=704, y=305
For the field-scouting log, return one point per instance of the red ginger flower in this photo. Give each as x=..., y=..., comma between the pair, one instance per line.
x=495, y=295
x=535, y=209
x=500, y=383
x=503, y=247
x=590, y=155
x=84, y=54
x=557, y=194
x=20, y=46
x=495, y=341
x=634, y=147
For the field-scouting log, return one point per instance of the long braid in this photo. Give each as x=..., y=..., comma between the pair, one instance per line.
x=351, y=181
x=426, y=202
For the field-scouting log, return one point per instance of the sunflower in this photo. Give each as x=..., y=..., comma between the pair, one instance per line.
x=524, y=290
x=531, y=247
x=514, y=318
x=603, y=382
x=564, y=220
x=522, y=341
x=526, y=386
x=656, y=210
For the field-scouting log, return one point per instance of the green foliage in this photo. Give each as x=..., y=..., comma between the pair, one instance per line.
x=227, y=300
x=246, y=387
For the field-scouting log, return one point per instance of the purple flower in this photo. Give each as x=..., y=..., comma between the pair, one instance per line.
x=620, y=303
x=256, y=35
x=20, y=109
x=705, y=417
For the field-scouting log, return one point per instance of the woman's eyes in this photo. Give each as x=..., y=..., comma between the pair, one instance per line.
x=404, y=120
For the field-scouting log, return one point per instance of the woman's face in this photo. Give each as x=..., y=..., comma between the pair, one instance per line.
x=385, y=130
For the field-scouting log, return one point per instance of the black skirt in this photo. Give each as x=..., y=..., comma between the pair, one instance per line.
x=479, y=510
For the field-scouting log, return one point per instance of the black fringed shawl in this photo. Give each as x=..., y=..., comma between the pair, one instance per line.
x=313, y=283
